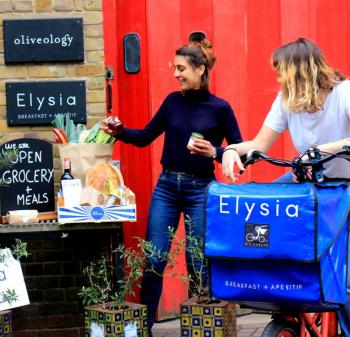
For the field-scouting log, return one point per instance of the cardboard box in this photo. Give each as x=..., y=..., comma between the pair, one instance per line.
x=78, y=214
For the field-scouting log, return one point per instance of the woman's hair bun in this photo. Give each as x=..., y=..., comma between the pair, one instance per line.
x=206, y=43
x=198, y=52
x=206, y=47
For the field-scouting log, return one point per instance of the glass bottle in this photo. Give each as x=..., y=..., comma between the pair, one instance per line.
x=67, y=175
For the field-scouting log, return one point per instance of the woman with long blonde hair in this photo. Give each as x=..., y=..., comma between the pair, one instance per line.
x=314, y=105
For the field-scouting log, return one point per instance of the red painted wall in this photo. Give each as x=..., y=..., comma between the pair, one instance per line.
x=244, y=34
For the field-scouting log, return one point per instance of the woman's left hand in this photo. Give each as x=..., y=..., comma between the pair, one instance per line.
x=203, y=147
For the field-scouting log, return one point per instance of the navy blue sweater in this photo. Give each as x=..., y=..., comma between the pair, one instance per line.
x=179, y=116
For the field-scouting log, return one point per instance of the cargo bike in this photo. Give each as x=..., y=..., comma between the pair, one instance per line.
x=282, y=247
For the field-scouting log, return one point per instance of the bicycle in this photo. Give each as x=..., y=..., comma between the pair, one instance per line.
x=253, y=278
x=260, y=231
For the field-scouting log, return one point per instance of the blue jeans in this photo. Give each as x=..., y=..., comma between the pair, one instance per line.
x=344, y=314
x=175, y=193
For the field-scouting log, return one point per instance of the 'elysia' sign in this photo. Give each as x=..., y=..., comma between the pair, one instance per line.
x=37, y=103
x=29, y=182
x=43, y=40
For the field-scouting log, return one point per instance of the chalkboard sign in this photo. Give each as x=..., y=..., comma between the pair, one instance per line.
x=36, y=103
x=43, y=40
x=30, y=180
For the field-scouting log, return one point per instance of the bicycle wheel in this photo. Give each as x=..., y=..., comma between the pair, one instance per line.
x=280, y=329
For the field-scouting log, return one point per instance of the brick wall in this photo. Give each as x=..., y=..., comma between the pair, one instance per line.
x=91, y=70
x=53, y=276
x=53, y=272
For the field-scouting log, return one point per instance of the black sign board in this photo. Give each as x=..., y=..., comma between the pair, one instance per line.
x=37, y=103
x=30, y=180
x=43, y=40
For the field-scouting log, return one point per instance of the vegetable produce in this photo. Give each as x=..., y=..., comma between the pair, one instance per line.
x=66, y=131
x=60, y=136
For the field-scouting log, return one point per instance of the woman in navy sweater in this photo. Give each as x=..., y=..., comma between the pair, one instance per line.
x=186, y=173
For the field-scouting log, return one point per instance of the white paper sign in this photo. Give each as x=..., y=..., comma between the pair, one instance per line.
x=130, y=330
x=11, y=279
x=96, y=331
x=71, y=190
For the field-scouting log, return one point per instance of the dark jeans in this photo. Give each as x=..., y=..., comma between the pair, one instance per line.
x=344, y=314
x=175, y=193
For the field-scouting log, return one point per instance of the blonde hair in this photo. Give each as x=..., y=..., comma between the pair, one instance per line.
x=199, y=53
x=304, y=75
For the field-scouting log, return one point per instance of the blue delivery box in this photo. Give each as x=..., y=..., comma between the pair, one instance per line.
x=276, y=246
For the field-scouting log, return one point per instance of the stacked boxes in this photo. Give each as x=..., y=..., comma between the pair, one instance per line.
x=114, y=323
x=216, y=319
x=5, y=323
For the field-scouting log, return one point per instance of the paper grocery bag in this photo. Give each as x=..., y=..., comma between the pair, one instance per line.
x=11, y=280
x=83, y=156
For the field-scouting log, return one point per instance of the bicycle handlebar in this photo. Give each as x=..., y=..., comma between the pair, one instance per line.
x=316, y=159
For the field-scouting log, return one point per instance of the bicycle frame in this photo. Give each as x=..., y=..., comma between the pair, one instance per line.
x=320, y=324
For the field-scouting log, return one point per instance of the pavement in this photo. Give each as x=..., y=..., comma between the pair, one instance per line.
x=248, y=325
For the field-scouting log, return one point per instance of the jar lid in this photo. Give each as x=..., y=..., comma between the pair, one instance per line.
x=197, y=134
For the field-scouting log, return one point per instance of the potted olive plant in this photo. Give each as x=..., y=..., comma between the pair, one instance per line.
x=200, y=315
x=106, y=311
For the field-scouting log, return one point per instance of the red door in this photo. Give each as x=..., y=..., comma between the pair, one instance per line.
x=244, y=34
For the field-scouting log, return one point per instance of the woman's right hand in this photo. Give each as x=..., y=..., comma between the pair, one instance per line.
x=229, y=158
x=112, y=127
x=104, y=126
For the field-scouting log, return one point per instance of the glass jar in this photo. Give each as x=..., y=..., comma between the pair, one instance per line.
x=194, y=135
x=115, y=125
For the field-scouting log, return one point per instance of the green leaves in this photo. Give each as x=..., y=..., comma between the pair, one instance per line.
x=96, y=135
x=99, y=274
x=7, y=157
x=9, y=296
x=63, y=122
x=79, y=133
x=193, y=247
x=19, y=249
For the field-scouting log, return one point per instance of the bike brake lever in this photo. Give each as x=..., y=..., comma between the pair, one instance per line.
x=298, y=170
x=251, y=159
x=299, y=174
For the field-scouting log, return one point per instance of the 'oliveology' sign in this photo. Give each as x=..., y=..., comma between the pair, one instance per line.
x=35, y=103
x=43, y=40
x=29, y=181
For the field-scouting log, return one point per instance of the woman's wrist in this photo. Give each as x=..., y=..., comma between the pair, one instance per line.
x=230, y=148
x=215, y=153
